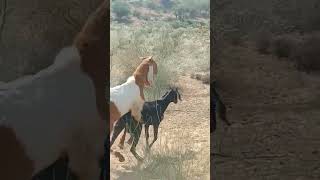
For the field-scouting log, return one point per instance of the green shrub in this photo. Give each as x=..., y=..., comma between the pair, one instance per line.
x=263, y=42
x=152, y=5
x=136, y=14
x=166, y=3
x=283, y=46
x=181, y=50
x=121, y=9
x=307, y=58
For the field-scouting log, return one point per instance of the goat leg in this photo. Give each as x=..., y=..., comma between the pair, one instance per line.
x=146, y=129
x=135, y=154
x=121, y=143
x=134, y=129
x=155, y=135
x=136, y=136
x=130, y=140
x=116, y=131
x=136, y=111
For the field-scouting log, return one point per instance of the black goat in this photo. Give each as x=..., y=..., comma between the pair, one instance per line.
x=152, y=114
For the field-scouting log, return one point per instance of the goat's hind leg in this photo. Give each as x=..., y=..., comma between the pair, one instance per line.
x=116, y=131
x=136, y=136
x=155, y=135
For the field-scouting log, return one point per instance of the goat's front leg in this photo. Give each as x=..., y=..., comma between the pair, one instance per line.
x=155, y=135
x=146, y=129
x=136, y=136
x=133, y=129
x=136, y=111
x=121, y=143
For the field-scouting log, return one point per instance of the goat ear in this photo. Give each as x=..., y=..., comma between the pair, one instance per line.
x=149, y=58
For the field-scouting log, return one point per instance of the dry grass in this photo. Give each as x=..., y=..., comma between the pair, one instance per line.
x=274, y=114
x=284, y=46
x=179, y=48
x=176, y=51
x=182, y=149
x=204, y=77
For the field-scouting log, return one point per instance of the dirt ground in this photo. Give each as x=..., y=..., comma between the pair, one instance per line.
x=275, y=111
x=183, y=141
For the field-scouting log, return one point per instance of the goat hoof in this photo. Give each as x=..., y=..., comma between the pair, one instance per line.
x=129, y=142
x=119, y=156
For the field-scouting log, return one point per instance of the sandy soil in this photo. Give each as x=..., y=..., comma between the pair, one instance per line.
x=276, y=120
x=183, y=141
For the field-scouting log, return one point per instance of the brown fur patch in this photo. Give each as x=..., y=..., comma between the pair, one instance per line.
x=14, y=162
x=114, y=115
x=93, y=45
x=141, y=73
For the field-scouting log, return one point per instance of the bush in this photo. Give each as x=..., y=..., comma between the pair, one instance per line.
x=307, y=58
x=181, y=50
x=263, y=42
x=166, y=3
x=121, y=9
x=283, y=46
x=152, y=5
x=204, y=77
x=137, y=14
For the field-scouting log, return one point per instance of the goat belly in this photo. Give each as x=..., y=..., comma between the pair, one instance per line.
x=124, y=96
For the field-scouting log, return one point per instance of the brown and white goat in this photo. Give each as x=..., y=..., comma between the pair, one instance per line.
x=60, y=110
x=129, y=95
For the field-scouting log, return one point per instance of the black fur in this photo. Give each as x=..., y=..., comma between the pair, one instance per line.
x=152, y=114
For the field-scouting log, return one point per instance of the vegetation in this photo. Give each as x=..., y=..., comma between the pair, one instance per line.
x=121, y=9
x=307, y=57
x=178, y=47
x=277, y=27
x=176, y=51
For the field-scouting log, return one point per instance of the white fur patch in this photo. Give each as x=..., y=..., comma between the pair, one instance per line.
x=48, y=109
x=150, y=75
x=125, y=96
